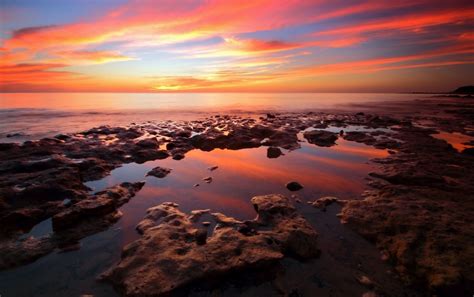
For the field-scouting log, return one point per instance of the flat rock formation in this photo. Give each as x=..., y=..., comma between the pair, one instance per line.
x=159, y=172
x=173, y=253
x=419, y=212
x=87, y=217
x=100, y=204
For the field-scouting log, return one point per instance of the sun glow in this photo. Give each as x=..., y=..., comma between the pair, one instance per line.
x=156, y=46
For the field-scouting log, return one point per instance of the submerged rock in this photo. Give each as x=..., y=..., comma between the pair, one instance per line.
x=173, y=254
x=159, y=172
x=212, y=168
x=207, y=179
x=294, y=186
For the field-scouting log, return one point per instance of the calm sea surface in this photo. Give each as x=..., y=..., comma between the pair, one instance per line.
x=35, y=115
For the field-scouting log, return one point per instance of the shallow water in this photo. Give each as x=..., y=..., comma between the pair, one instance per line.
x=29, y=116
x=457, y=140
x=336, y=171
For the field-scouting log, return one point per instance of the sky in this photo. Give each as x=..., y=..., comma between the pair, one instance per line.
x=235, y=46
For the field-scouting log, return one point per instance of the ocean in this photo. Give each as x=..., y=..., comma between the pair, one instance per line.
x=29, y=116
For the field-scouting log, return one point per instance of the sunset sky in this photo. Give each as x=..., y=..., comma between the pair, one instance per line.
x=232, y=46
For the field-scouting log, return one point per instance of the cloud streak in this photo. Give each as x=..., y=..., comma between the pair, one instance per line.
x=216, y=45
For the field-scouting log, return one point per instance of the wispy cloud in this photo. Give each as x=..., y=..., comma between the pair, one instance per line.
x=260, y=42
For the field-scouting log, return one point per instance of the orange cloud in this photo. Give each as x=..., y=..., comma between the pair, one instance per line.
x=236, y=62
x=34, y=77
x=94, y=57
x=380, y=64
x=409, y=22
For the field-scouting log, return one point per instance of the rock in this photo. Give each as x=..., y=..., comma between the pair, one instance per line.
x=224, y=220
x=62, y=137
x=360, y=137
x=178, y=156
x=14, y=253
x=206, y=223
x=150, y=143
x=270, y=116
x=18, y=134
x=365, y=281
x=323, y=202
x=207, y=179
x=169, y=258
x=321, y=137
x=273, y=152
x=101, y=203
x=170, y=145
x=200, y=236
x=143, y=155
x=212, y=168
x=468, y=151
x=195, y=215
x=159, y=172
x=294, y=186
x=464, y=90
x=195, y=185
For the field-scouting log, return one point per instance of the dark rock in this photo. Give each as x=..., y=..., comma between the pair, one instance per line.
x=273, y=152
x=321, y=137
x=101, y=203
x=270, y=116
x=201, y=236
x=294, y=186
x=150, y=143
x=18, y=134
x=468, y=151
x=170, y=145
x=178, y=156
x=159, y=172
x=62, y=137
x=360, y=137
x=464, y=90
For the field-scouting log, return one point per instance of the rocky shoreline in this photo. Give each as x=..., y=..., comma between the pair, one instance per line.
x=418, y=209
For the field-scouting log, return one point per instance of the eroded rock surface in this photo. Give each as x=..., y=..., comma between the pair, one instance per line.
x=173, y=253
x=419, y=211
x=89, y=216
x=101, y=203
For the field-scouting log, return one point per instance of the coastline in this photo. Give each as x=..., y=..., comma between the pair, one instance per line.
x=409, y=193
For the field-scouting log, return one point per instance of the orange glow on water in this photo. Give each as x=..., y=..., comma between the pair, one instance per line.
x=336, y=171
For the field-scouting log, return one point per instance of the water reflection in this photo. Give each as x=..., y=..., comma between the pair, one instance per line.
x=337, y=171
x=456, y=140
